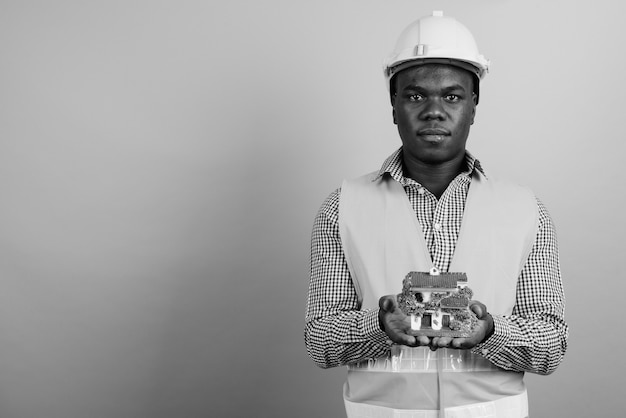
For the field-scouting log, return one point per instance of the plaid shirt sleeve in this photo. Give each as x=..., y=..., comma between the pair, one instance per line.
x=337, y=332
x=534, y=337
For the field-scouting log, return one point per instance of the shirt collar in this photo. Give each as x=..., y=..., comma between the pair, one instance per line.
x=393, y=166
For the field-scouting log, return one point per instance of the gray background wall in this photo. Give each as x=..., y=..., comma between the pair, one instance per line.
x=161, y=163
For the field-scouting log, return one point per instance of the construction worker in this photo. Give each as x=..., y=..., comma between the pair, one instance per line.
x=431, y=206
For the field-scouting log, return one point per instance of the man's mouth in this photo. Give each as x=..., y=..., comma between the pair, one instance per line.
x=433, y=134
x=433, y=131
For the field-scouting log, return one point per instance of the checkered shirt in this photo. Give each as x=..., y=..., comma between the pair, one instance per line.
x=337, y=332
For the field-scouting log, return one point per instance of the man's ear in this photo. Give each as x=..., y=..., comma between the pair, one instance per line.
x=393, y=109
x=475, y=100
x=395, y=122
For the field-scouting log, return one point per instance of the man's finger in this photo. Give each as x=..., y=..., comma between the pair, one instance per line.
x=457, y=342
x=444, y=341
x=409, y=340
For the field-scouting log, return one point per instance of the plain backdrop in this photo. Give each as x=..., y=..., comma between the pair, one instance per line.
x=161, y=163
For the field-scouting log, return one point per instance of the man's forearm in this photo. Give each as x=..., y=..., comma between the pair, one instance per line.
x=534, y=337
x=344, y=338
x=526, y=345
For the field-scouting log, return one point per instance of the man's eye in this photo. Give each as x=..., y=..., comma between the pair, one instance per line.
x=452, y=98
x=415, y=97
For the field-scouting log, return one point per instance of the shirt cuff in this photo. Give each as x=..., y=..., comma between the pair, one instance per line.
x=371, y=328
x=498, y=340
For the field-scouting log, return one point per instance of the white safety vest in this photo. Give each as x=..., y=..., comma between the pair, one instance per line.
x=383, y=241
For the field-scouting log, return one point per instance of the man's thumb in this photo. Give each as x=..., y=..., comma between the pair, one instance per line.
x=386, y=303
x=479, y=309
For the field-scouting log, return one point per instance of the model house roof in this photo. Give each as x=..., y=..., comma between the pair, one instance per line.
x=425, y=280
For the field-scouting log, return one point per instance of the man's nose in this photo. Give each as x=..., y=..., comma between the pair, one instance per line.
x=433, y=110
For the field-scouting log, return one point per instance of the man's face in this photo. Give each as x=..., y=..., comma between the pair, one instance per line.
x=434, y=107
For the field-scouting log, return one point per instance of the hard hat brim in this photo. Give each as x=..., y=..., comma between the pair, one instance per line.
x=477, y=71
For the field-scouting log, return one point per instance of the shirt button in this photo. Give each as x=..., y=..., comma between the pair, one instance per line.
x=437, y=226
x=421, y=191
x=485, y=351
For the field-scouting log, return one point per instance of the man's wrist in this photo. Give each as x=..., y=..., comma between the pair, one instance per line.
x=380, y=321
x=372, y=326
x=490, y=327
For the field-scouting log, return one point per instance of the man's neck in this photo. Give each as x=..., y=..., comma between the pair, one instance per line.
x=434, y=177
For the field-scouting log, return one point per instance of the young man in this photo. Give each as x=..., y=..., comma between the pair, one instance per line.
x=431, y=205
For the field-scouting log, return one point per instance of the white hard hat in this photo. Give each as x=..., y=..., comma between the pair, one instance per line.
x=436, y=39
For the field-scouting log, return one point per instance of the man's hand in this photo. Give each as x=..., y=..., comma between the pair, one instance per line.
x=481, y=332
x=396, y=324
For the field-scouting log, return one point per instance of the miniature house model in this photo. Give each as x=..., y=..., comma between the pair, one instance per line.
x=437, y=303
